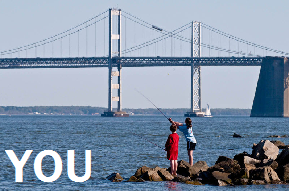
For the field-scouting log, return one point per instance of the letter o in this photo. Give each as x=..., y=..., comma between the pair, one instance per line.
x=38, y=166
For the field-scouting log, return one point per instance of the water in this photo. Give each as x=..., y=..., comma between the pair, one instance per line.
x=115, y=147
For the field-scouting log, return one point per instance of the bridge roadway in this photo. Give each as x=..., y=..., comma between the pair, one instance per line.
x=84, y=62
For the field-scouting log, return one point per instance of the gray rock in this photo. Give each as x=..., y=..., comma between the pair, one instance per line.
x=264, y=173
x=180, y=178
x=237, y=135
x=279, y=144
x=115, y=177
x=250, y=160
x=265, y=150
x=183, y=168
x=198, y=167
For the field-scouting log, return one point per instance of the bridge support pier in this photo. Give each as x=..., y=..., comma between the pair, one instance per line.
x=272, y=92
x=196, y=108
x=114, y=53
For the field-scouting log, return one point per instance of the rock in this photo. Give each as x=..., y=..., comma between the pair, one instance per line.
x=240, y=158
x=249, y=160
x=205, y=177
x=248, y=167
x=180, y=178
x=279, y=144
x=115, y=177
x=221, y=183
x=198, y=167
x=258, y=182
x=183, y=168
x=222, y=158
x=165, y=175
x=132, y=179
x=229, y=166
x=223, y=176
x=139, y=172
x=195, y=182
x=237, y=135
x=283, y=157
x=151, y=175
x=242, y=181
x=275, y=136
x=283, y=173
x=264, y=173
x=265, y=150
x=268, y=162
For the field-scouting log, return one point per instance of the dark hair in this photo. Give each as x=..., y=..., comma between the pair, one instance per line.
x=173, y=128
x=188, y=122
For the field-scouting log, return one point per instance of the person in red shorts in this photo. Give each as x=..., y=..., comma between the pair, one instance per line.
x=172, y=148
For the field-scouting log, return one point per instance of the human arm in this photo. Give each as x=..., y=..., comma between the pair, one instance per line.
x=176, y=123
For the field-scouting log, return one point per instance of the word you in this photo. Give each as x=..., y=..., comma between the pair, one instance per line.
x=19, y=164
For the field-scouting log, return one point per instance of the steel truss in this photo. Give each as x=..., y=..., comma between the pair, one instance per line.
x=14, y=63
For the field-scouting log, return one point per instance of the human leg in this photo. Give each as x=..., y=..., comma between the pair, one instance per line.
x=191, y=158
x=176, y=167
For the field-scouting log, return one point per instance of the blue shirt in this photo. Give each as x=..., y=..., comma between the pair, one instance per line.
x=188, y=132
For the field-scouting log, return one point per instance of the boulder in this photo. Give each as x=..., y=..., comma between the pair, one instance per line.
x=279, y=144
x=165, y=175
x=139, y=172
x=247, y=168
x=242, y=181
x=240, y=158
x=264, y=173
x=237, y=135
x=229, y=166
x=180, y=178
x=268, y=162
x=283, y=173
x=283, y=157
x=223, y=176
x=151, y=175
x=249, y=160
x=198, y=167
x=183, y=168
x=222, y=158
x=194, y=182
x=258, y=182
x=265, y=150
x=115, y=177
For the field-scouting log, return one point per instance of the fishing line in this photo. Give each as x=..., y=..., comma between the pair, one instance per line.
x=149, y=141
x=152, y=103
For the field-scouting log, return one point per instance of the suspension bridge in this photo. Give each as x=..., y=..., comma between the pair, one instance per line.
x=117, y=39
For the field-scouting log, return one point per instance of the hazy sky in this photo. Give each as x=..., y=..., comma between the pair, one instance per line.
x=23, y=22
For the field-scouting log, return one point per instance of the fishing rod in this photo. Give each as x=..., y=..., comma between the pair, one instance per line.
x=149, y=141
x=153, y=104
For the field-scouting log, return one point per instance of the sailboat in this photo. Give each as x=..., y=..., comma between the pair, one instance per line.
x=208, y=111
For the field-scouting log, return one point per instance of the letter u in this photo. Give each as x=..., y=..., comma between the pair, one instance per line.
x=71, y=169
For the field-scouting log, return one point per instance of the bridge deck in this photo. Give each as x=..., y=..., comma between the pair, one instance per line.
x=83, y=62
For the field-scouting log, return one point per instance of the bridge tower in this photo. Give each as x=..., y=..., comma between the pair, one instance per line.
x=196, y=107
x=114, y=41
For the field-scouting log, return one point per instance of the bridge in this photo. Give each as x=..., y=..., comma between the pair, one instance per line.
x=271, y=98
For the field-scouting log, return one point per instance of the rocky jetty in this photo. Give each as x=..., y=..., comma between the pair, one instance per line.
x=265, y=165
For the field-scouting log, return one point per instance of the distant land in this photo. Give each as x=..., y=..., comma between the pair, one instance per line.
x=88, y=110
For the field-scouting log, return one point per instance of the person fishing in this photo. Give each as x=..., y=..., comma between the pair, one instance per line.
x=172, y=148
x=187, y=129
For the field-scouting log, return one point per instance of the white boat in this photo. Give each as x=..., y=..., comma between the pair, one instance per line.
x=208, y=112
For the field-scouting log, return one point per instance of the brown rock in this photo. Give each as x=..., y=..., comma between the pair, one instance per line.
x=132, y=179
x=183, y=168
x=258, y=182
x=180, y=178
x=248, y=167
x=165, y=175
x=222, y=176
x=115, y=177
x=265, y=150
x=229, y=166
x=221, y=183
x=195, y=182
x=198, y=167
x=240, y=158
x=151, y=175
x=139, y=172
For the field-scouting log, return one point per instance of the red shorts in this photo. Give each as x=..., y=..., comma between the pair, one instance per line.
x=172, y=155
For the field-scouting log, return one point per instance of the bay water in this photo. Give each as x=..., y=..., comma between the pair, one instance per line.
x=123, y=145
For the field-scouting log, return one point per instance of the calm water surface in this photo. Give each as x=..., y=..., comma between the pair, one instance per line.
x=116, y=146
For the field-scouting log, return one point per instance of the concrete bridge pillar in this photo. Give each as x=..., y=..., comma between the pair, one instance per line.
x=272, y=93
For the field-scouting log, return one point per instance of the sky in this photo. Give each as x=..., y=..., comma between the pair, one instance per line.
x=24, y=22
